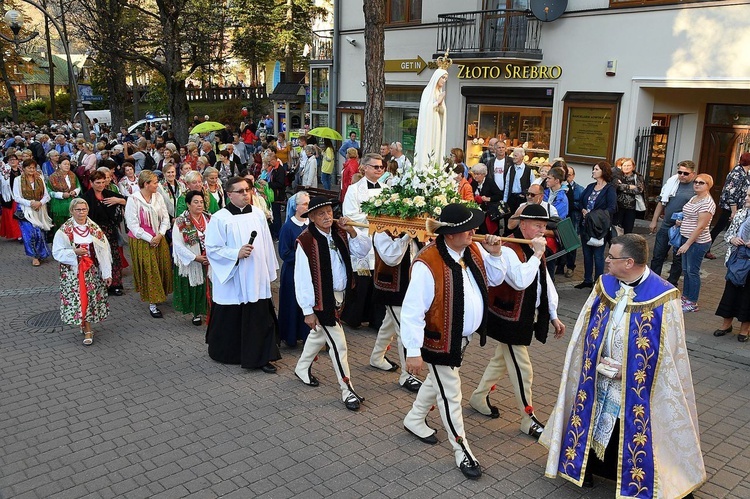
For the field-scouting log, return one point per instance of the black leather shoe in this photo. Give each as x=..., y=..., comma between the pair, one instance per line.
x=412, y=384
x=431, y=440
x=313, y=380
x=352, y=402
x=156, y=313
x=588, y=481
x=113, y=291
x=742, y=338
x=268, y=368
x=584, y=285
x=722, y=332
x=536, y=430
x=471, y=470
x=197, y=320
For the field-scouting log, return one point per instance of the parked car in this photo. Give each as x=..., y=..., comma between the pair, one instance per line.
x=141, y=124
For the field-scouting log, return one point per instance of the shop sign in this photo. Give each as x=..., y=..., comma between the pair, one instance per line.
x=405, y=65
x=509, y=71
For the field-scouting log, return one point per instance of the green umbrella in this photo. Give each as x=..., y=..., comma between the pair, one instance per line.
x=325, y=133
x=207, y=126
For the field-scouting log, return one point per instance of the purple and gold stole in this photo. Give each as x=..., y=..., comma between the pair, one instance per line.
x=636, y=475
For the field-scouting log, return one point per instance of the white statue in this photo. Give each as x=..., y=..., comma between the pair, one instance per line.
x=430, y=140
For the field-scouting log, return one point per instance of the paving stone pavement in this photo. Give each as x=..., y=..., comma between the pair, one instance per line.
x=145, y=413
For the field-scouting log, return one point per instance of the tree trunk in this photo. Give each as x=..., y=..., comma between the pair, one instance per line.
x=8, y=87
x=372, y=136
x=288, y=54
x=179, y=109
x=51, y=63
x=118, y=89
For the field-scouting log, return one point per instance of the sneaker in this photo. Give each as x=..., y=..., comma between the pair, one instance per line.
x=689, y=306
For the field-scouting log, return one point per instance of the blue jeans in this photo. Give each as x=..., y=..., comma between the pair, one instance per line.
x=325, y=179
x=691, y=264
x=593, y=259
x=661, y=249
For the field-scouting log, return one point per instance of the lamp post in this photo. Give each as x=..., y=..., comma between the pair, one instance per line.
x=14, y=19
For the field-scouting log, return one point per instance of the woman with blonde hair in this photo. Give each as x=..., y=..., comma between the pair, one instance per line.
x=213, y=186
x=147, y=220
x=696, y=238
x=194, y=182
x=85, y=270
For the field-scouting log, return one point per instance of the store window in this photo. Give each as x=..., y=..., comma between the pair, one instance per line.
x=318, y=97
x=403, y=11
x=589, y=126
x=401, y=114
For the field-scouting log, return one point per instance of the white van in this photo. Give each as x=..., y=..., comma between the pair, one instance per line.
x=103, y=115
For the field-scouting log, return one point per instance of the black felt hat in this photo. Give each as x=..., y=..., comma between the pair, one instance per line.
x=533, y=212
x=457, y=218
x=319, y=202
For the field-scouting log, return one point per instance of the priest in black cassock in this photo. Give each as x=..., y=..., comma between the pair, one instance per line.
x=242, y=325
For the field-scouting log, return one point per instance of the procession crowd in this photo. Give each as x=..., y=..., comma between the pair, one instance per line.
x=200, y=221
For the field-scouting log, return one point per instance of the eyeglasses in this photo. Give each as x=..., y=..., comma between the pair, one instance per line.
x=684, y=174
x=240, y=191
x=532, y=194
x=699, y=182
x=610, y=257
x=80, y=209
x=377, y=167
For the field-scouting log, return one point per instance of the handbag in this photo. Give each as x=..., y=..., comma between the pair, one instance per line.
x=18, y=215
x=640, y=203
x=499, y=210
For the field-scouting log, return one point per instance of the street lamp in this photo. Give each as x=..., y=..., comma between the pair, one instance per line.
x=14, y=19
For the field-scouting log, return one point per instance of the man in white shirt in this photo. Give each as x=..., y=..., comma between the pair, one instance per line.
x=499, y=164
x=398, y=156
x=243, y=265
x=520, y=308
x=323, y=276
x=445, y=303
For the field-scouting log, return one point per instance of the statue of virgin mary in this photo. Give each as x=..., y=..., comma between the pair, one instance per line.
x=430, y=141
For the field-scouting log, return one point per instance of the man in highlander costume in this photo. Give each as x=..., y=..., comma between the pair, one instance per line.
x=626, y=407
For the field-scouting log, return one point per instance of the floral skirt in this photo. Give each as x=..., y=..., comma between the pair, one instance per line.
x=70, y=296
x=189, y=299
x=152, y=270
x=116, y=252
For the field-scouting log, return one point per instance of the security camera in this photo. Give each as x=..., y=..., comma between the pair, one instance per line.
x=351, y=40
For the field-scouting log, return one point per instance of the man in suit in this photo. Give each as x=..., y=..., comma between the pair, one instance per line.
x=518, y=178
x=486, y=194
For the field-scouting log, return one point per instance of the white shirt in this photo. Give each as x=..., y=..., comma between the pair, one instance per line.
x=356, y=194
x=392, y=251
x=247, y=280
x=421, y=293
x=521, y=275
x=498, y=167
x=303, y=283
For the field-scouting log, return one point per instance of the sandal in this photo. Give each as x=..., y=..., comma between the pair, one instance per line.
x=35, y=262
x=88, y=338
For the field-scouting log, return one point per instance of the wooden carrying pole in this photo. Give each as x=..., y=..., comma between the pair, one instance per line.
x=430, y=233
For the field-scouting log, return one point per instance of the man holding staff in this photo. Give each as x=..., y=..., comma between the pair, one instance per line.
x=445, y=303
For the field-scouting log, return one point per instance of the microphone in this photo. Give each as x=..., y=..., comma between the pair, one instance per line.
x=253, y=234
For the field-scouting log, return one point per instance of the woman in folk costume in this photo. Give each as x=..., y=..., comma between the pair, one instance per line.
x=9, y=173
x=147, y=220
x=31, y=198
x=170, y=189
x=430, y=139
x=194, y=182
x=189, y=254
x=85, y=270
x=63, y=186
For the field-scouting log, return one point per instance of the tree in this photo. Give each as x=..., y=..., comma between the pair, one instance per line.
x=175, y=38
x=269, y=29
x=6, y=54
x=374, y=75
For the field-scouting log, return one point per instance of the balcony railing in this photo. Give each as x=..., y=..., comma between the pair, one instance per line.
x=507, y=34
x=322, y=46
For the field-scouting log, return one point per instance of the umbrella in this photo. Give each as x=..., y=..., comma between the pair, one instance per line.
x=207, y=126
x=325, y=133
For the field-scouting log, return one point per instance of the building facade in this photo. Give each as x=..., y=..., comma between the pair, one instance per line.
x=661, y=81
